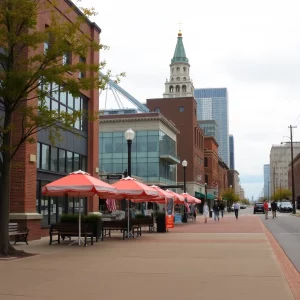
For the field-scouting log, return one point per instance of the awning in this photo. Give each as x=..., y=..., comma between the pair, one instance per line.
x=202, y=196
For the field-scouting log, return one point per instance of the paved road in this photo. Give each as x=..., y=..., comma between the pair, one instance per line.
x=286, y=230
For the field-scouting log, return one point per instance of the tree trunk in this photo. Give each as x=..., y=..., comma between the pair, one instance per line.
x=5, y=167
x=4, y=205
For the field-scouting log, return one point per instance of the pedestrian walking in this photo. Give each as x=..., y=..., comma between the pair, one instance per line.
x=266, y=209
x=236, y=207
x=205, y=212
x=222, y=207
x=274, y=208
x=216, y=210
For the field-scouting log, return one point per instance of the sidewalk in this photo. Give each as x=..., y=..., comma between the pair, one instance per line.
x=232, y=259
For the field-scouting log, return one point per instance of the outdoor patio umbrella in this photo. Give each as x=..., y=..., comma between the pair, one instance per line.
x=161, y=198
x=130, y=188
x=191, y=199
x=178, y=199
x=79, y=184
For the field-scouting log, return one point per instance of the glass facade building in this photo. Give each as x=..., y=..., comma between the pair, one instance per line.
x=153, y=155
x=212, y=104
x=210, y=127
x=231, y=151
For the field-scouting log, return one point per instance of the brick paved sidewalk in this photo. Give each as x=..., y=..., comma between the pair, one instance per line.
x=230, y=260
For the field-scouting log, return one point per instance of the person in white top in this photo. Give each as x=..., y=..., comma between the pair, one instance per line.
x=205, y=212
x=236, y=210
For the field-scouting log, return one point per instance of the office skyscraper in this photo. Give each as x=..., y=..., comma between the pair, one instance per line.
x=212, y=104
x=231, y=152
x=267, y=181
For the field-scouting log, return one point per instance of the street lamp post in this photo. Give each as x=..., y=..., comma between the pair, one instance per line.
x=184, y=165
x=292, y=165
x=129, y=136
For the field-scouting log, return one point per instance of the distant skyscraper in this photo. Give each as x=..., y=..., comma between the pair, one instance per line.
x=267, y=181
x=212, y=104
x=231, y=151
x=210, y=127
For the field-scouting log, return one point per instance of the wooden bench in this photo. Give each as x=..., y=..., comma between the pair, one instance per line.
x=70, y=230
x=19, y=234
x=146, y=221
x=121, y=225
x=114, y=225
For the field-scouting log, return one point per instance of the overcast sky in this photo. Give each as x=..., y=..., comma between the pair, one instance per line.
x=250, y=47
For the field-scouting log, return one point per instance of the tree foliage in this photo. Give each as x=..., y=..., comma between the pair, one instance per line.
x=230, y=196
x=281, y=194
x=31, y=59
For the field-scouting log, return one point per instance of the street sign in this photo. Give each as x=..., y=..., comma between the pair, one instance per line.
x=114, y=176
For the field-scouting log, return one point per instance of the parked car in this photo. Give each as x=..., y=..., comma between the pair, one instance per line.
x=243, y=206
x=286, y=207
x=258, y=207
x=278, y=204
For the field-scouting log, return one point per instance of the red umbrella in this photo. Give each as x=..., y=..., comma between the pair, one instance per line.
x=190, y=199
x=130, y=188
x=162, y=195
x=78, y=184
x=178, y=199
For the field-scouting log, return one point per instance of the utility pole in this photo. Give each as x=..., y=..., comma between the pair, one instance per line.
x=292, y=165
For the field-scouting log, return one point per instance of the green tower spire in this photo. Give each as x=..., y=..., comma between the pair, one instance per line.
x=179, y=54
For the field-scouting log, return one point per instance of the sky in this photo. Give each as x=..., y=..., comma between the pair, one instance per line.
x=250, y=47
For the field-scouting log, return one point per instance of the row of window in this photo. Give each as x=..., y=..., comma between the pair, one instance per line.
x=181, y=109
x=198, y=138
x=51, y=208
x=66, y=57
x=62, y=101
x=177, y=89
x=184, y=69
x=178, y=78
x=50, y=158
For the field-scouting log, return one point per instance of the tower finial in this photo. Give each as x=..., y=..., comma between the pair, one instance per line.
x=179, y=32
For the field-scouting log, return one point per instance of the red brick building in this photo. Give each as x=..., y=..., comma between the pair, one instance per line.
x=190, y=141
x=211, y=167
x=223, y=177
x=37, y=164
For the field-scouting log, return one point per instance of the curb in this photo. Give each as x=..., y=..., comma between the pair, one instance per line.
x=289, y=271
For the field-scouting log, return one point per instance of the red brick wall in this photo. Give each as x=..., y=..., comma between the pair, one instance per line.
x=211, y=152
x=188, y=144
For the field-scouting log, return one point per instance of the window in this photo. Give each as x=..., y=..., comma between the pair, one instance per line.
x=177, y=88
x=62, y=161
x=38, y=163
x=184, y=69
x=206, y=178
x=184, y=78
x=45, y=157
x=181, y=108
x=83, y=61
x=76, y=166
x=54, y=159
x=184, y=88
x=178, y=78
x=205, y=162
x=67, y=58
x=157, y=109
x=171, y=88
x=178, y=69
x=69, y=162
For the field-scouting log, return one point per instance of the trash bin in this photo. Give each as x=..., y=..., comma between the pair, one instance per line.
x=210, y=213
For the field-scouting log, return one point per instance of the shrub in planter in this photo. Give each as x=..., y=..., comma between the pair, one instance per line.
x=89, y=219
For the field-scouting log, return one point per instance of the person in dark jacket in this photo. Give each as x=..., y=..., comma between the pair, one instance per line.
x=274, y=208
x=216, y=210
x=222, y=207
